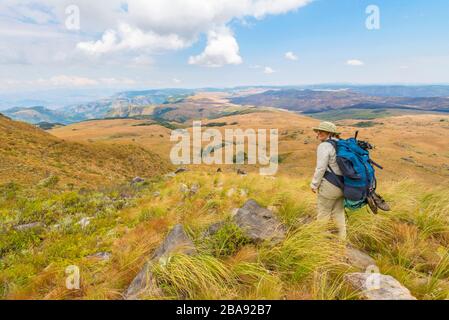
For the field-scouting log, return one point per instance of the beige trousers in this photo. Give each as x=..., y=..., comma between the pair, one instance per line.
x=331, y=206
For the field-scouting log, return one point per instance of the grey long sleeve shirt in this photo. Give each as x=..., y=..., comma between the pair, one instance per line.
x=326, y=157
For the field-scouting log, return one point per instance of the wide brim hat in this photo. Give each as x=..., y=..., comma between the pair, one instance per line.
x=327, y=127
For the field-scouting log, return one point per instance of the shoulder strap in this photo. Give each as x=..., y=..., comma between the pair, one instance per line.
x=333, y=143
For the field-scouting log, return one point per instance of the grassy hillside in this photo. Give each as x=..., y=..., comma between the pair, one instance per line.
x=55, y=215
x=410, y=243
x=29, y=154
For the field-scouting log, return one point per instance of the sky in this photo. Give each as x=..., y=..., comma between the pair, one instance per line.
x=141, y=44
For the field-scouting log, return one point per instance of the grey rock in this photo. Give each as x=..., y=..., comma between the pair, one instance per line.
x=258, y=223
x=241, y=172
x=105, y=256
x=376, y=286
x=137, y=180
x=181, y=170
x=28, y=226
x=183, y=188
x=156, y=194
x=170, y=175
x=359, y=259
x=144, y=283
x=194, y=189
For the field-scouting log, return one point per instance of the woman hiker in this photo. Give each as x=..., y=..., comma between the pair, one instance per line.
x=325, y=183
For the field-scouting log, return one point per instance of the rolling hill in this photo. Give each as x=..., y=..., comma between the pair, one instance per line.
x=29, y=154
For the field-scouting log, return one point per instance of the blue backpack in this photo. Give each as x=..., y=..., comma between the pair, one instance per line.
x=359, y=180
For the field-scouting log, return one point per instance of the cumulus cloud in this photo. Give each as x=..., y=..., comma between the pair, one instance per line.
x=355, y=63
x=157, y=25
x=130, y=38
x=291, y=56
x=268, y=70
x=222, y=48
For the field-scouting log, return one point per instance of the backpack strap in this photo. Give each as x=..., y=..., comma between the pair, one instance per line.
x=330, y=175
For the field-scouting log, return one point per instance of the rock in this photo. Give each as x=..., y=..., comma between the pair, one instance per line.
x=376, y=286
x=241, y=172
x=170, y=175
x=156, y=194
x=194, y=189
x=184, y=188
x=137, y=180
x=259, y=224
x=176, y=241
x=359, y=259
x=181, y=170
x=84, y=222
x=105, y=256
x=28, y=226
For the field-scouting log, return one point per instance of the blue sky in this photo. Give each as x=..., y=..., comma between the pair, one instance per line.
x=197, y=43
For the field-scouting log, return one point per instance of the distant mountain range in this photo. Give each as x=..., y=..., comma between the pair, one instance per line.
x=313, y=101
x=174, y=105
x=123, y=104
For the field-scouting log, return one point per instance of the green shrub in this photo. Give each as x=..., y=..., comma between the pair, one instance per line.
x=226, y=241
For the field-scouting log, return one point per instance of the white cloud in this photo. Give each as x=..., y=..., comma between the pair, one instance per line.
x=130, y=38
x=355, y=63
x=268, y=70
x=177, y=24
x=176, y=80
x=222, y=48
x=291, y=56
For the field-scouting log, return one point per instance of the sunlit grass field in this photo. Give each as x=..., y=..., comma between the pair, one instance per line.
x=411, y=242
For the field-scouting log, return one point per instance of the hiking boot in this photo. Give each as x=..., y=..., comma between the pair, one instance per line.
x=380, y=202
x=372, y=204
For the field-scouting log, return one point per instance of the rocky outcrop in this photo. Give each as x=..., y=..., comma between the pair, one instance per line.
x=258, y=223
x=144, y=283
x=376, y=286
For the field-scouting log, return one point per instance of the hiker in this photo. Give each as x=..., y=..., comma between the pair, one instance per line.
x=325, y=180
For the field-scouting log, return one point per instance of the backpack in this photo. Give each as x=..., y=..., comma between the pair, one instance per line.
x=359, y=176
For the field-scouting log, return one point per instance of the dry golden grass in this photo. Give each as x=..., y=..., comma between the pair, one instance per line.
x=29, y=154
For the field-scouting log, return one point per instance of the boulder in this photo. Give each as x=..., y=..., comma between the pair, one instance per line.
x=376, y=286
x=359, y=259
x=258, y=223
x=144, y=283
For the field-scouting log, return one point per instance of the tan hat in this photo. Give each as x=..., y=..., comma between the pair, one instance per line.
x=327, y=127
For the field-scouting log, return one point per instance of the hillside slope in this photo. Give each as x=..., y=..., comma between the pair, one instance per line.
x=28, y=154
x=409, y=243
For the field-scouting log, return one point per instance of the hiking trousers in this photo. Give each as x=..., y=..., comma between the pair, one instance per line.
x=331, y=206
